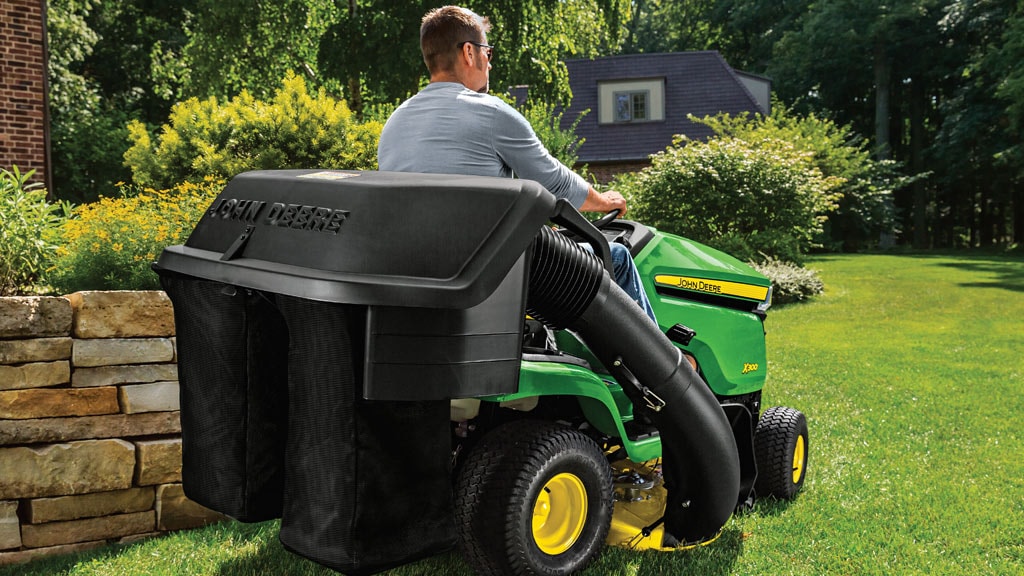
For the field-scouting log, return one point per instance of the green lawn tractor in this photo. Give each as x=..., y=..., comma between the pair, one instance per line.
x=398, y=364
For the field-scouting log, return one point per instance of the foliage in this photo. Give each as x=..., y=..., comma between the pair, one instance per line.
x=70, y=40
x=535, y=37
x=976, y=148
x=267, y=39
x=108, y=65
x=109, y=244
x=532, y=37
x=745, y=197
x=26, y=235
x=941, y=82
x=670, y=26
x=865, y=208
x=136, y=60
x=790, y=282
x=546, y=119
x=210, y=138
x=86, y=136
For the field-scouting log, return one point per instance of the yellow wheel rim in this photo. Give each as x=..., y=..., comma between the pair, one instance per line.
x=559, y=513
x=798, y=459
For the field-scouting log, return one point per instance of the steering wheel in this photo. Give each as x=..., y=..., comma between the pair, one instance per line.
x=606, y=219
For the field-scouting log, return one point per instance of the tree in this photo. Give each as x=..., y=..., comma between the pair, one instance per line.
x=671, y=26
x=374, y=44
x=750, y=29
x=79, y=123
x=975, y=151
x=266, y=39
x=873, y=65
x=1008, y=56
x=106, y=67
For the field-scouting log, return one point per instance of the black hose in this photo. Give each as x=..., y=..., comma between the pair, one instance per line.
x=562, y=283
x=568, y=288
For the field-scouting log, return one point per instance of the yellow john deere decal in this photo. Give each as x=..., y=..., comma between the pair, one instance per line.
x=713, y=286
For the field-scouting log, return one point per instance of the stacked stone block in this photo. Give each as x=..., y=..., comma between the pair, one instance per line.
x=90, y=438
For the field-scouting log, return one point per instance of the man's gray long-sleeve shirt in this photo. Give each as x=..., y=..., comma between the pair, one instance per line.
x=450, y=129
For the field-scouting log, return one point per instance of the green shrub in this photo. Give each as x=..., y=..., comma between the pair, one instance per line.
x=111, y=243
x=865, y=209
x=546, y=121
x=29, y=226
x=790, y=282
x=766, y=197
x=209, y=138
x=752, y=246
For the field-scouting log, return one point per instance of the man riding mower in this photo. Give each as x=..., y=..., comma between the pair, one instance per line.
x=391, y=381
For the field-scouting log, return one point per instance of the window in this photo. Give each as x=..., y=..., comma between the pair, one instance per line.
x=632, y=100
x=631, y=106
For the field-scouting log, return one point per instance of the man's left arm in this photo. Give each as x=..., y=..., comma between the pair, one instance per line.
x=518, y=146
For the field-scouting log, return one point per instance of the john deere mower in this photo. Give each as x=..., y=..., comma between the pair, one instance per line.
x=398, y=364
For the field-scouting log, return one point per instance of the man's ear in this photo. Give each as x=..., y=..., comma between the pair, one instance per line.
x=467, y=54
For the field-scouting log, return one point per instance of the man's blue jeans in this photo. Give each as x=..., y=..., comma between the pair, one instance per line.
x=627, y=277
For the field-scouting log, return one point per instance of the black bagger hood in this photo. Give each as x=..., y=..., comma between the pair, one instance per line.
x=369, y=238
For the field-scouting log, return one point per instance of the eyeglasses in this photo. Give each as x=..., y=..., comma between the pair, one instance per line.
x=488, y=49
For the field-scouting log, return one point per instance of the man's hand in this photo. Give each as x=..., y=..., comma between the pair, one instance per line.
x=604, y=202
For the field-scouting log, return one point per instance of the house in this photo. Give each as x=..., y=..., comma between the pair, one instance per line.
x=24, y=121
x=637, y=103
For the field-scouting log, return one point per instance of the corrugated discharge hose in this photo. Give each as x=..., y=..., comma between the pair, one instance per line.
x=569, y=288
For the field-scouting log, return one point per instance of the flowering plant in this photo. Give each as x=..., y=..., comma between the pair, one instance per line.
x=111, y=244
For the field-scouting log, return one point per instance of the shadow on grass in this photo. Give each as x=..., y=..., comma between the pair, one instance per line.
x=1006, y=268
x=268, y=556
x=271, y=557
x=715, y=559
x=65, y=563
x=1009, y=273
x=771, y=506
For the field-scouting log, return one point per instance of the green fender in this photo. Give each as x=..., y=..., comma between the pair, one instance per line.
x=603, y=402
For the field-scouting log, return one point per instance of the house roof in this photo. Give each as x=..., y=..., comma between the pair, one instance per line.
x=698, y=83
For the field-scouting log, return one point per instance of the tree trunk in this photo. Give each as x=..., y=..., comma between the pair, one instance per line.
x=917, y=136
x=883, y=71
x=986, y=223
x=355, y=93
x=1018, y=216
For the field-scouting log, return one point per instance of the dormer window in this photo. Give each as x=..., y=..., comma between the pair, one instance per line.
x=631, y=106
x=631, y=101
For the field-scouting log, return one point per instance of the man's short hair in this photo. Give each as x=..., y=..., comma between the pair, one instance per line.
x=442, y=30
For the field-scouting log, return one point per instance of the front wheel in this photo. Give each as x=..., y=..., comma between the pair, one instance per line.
x=533, y=498
x=781, y=447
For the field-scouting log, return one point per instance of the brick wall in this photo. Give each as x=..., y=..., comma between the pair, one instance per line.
x=605, y=172
x=90, y=433
x=23, y=87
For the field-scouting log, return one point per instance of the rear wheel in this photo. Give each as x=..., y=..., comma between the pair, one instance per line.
x=781, y=448
x=533, y=498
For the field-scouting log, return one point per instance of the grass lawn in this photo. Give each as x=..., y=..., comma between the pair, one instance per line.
x=910, y=369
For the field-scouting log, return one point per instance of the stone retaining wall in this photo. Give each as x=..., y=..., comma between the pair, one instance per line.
x=90, y=438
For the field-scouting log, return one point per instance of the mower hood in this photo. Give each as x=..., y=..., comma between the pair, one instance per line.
x=693, y=267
